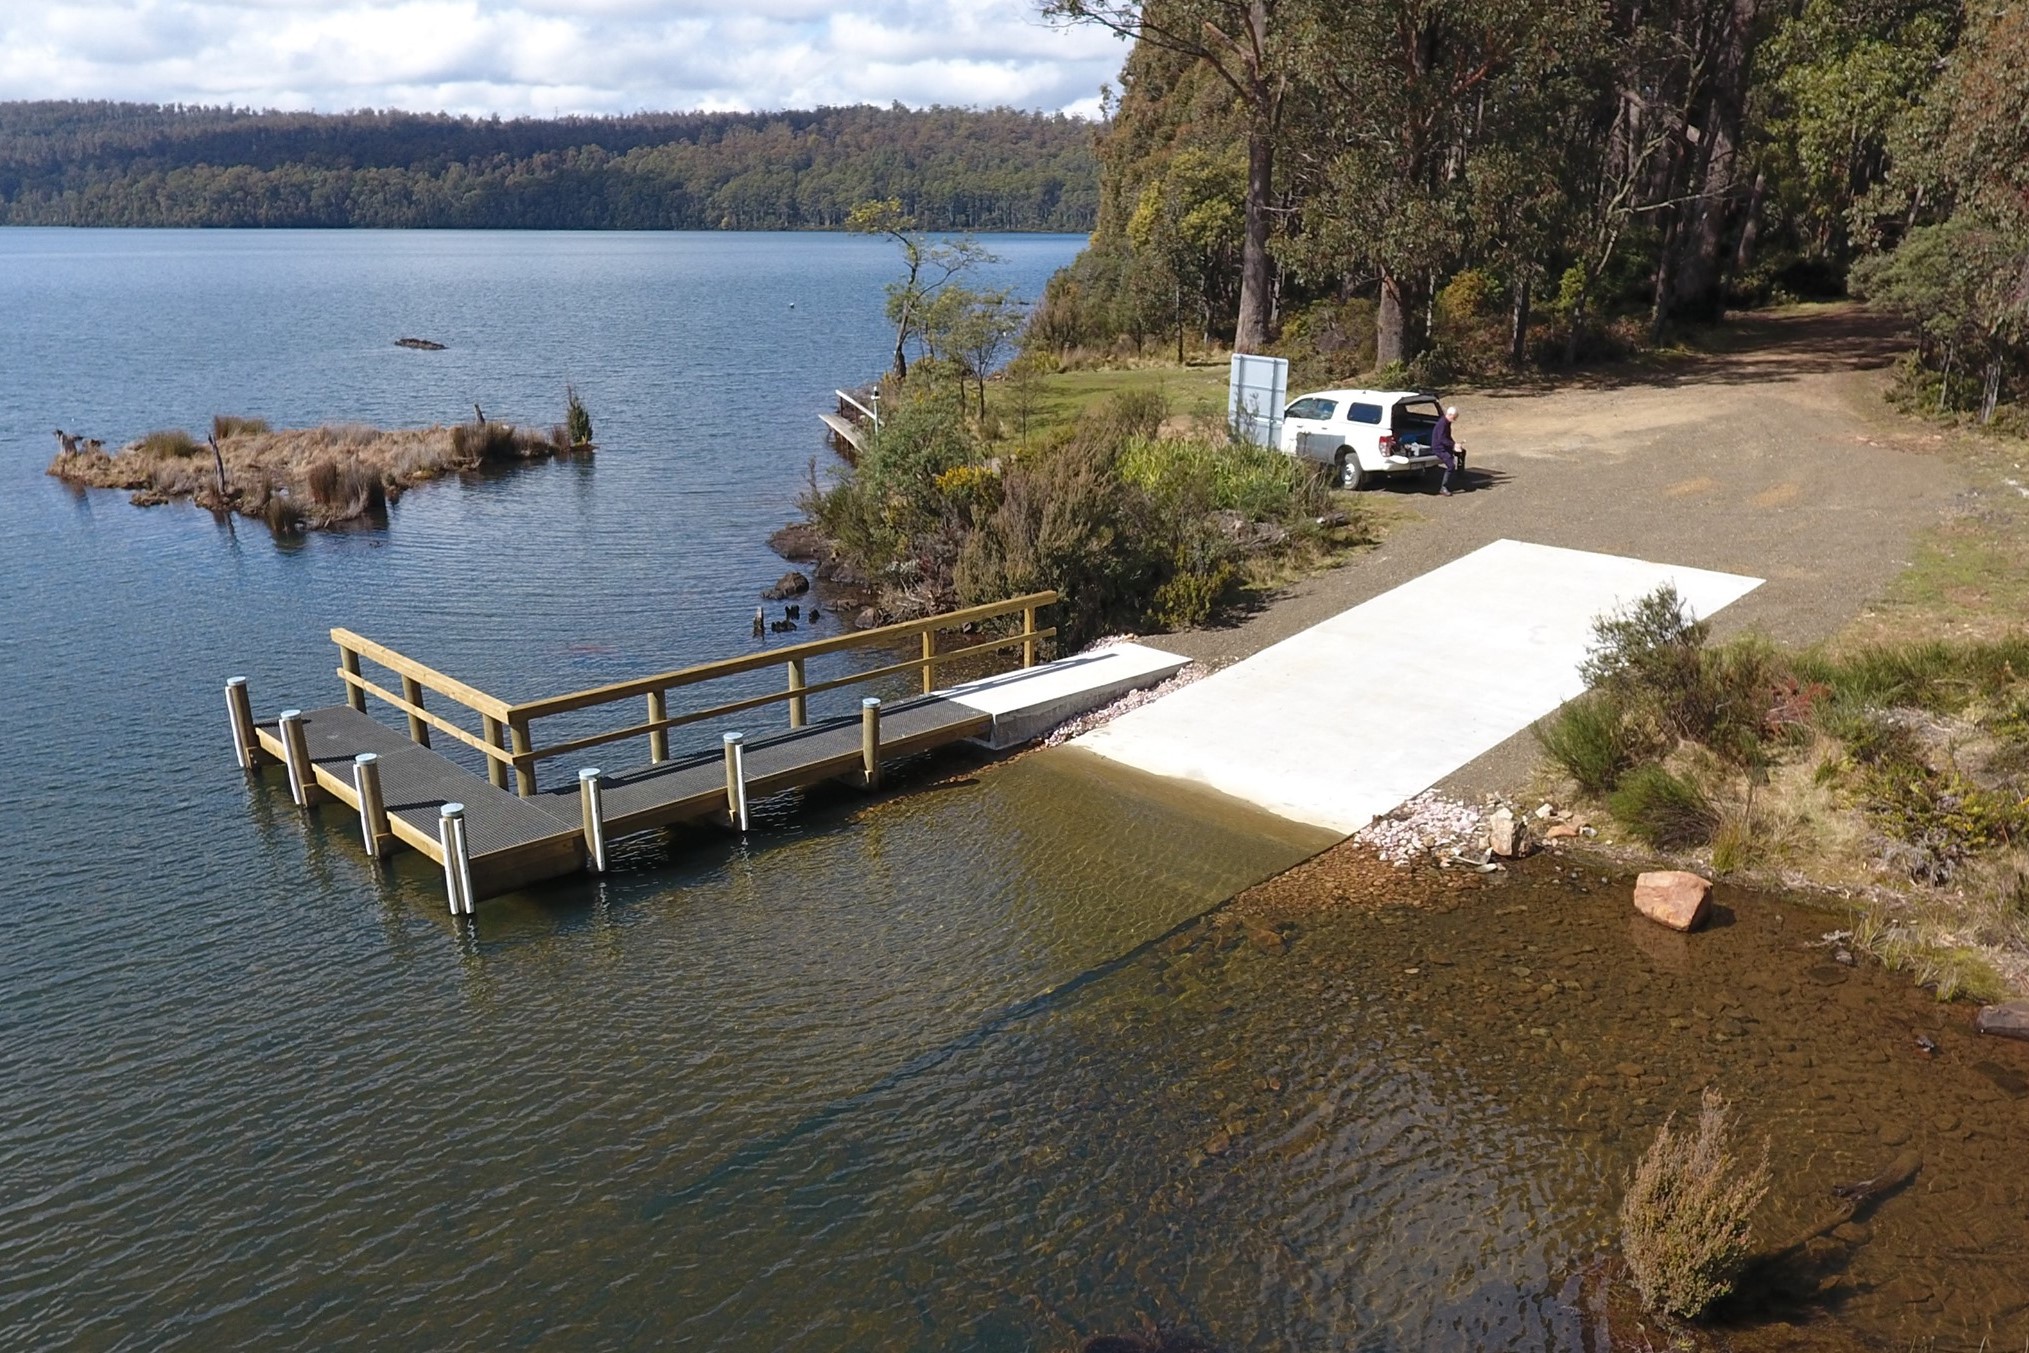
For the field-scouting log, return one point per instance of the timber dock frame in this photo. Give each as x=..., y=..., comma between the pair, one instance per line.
x=490, y=838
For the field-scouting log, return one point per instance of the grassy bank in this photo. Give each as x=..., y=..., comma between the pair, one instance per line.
x=1145, y=515
x=301, y=478
x=1897, y=770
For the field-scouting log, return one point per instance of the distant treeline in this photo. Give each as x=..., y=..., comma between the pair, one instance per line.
x=127, y=164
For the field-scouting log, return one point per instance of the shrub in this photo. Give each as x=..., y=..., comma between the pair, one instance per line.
x=1652, y=657
x=225, y=426
x=1592, y=741
x=167, y=443
x=577, y=418
x=1190, y=596
x=1684, y=1224
x=1665, y=810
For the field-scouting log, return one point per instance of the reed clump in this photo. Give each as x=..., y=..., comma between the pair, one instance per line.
x=298, y=479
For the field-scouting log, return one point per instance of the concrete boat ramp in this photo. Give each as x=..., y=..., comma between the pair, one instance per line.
x=1341, y=723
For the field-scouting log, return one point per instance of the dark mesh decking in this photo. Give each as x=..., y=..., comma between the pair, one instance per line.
x=694, y=786
x=416, y=782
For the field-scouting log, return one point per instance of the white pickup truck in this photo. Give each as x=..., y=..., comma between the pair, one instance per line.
x=1362, y=433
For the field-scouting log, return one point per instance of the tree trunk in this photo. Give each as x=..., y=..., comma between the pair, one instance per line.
x=1992, y=394
x=1750, y=227
x=1695, y=287
x=1251, y=329
x=1518, y=326
x=1391, y=324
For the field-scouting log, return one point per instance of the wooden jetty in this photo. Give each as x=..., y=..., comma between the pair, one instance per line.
x=509, y=828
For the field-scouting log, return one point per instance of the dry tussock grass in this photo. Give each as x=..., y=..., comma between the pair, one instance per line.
x=298, y=478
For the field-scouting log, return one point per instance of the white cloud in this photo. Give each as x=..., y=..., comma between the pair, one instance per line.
x=551, y=56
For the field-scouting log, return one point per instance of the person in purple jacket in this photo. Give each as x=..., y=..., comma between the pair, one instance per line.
x=1445, y=447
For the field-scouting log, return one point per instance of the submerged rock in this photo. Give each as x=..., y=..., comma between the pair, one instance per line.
x=1676, y=898
x=2010, y=1019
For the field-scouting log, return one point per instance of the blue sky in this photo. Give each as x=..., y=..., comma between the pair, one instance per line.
x=540, y=57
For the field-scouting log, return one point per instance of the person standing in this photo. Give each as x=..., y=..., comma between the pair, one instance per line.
x=1444, y=445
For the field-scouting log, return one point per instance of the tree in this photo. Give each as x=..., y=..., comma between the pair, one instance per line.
x=932, y=265
x=982, y=332
x=1188, y=220
x=1242, y=43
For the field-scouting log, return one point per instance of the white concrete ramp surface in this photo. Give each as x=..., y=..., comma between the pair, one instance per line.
x=1029, y=701
x=1339, y=724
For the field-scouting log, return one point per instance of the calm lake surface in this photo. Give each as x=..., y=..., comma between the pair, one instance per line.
x=952, y=1069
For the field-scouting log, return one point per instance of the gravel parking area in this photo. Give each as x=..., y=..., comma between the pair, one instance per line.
x=1772, y=458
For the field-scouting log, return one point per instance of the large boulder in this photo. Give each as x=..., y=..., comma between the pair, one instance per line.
x=1676, y=898
x=2010, y=1019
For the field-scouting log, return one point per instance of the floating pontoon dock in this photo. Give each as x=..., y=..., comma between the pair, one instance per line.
x=489, y=838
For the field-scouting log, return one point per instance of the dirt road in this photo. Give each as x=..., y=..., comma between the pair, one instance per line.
x=1772, y=457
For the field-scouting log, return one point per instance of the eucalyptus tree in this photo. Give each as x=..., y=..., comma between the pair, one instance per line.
x=1244, y=43
x=930, y=266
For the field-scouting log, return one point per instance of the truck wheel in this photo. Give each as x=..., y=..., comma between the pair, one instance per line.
x=1346, y=472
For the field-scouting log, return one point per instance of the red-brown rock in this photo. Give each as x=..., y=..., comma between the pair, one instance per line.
x=1673, y=897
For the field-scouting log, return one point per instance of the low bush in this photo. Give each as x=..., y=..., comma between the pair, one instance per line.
x=1685, y=1221
x=1592, y=740
x=1663, y=809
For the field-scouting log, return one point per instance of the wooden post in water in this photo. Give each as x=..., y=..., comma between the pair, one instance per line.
x=870, y=742
x=658, y=740
x=296, y=756
x=929, y=668
x=372, y=806
x=239, y=707
x=348, y=661
x=496, y=736
x=1028, y=636
x=736, y=779
x=457, y=858
x=412, y=691
x=592, y=812
x=799, y=711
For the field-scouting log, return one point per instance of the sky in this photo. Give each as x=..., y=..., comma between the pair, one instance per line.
x=546, y=57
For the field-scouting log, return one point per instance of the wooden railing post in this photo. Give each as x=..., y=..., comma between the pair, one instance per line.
x=524, y=768
x=1029, y=636
x=496, y=736
x=929, y=667
x=348, y=662
x=799, y=709
x=412, y=691
x=658, y=739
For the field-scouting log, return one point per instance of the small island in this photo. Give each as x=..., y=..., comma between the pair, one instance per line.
x=317, y=478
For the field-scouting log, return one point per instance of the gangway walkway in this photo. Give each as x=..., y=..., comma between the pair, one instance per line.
x=491, y=838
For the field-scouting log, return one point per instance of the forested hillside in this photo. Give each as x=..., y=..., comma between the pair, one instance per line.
x=144, y=165
x=1460, y=182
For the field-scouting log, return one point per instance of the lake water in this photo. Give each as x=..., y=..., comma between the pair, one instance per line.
x=950, y=1069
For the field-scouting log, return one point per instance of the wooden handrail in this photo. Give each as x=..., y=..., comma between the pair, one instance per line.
x=686, y=676
x=354, y=681
x=776, y=697
x=467, y=695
